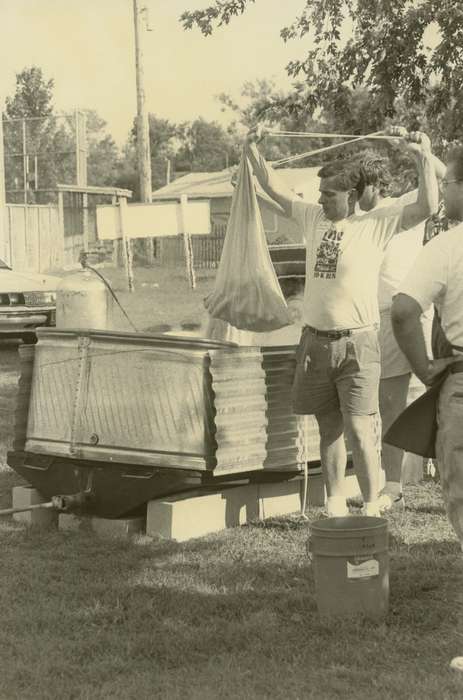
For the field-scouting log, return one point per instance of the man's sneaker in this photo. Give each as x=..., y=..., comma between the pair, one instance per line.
x=388, y=502
x=457, y=663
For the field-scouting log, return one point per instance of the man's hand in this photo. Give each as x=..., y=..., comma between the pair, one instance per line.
x=435, y=369
x=418, y=143
x=397, y=132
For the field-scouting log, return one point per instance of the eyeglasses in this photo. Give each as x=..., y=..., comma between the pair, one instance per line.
x=448, y=182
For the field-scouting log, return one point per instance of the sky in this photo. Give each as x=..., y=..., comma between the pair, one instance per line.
x=87, y=47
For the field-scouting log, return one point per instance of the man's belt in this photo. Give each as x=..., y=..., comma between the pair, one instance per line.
x=345, y=332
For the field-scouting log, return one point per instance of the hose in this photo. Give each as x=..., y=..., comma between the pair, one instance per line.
x=86, y=266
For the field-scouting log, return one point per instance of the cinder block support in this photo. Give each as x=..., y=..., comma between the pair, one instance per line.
x=23, y=496
x=184, y=518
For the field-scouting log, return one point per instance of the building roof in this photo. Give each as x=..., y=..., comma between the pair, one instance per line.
x=302, y=181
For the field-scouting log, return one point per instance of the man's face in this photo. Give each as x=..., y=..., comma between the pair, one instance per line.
x=452, y=193
x=337, y=204
x=369, y=198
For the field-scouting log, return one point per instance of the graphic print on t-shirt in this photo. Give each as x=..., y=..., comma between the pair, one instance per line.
x=327, y=255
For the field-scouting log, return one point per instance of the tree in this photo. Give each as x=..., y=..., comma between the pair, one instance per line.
x=103, y=159
x=29, y=114
x=205, y=146
x=33, y=95
x=50, y=141
x=385, y=52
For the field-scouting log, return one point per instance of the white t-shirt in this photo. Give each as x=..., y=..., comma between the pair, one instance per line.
x=437, y=277
x=342, y=264
x=400, y=254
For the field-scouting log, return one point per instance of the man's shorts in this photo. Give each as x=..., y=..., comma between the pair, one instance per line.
x=342, y=373
x=393, y=361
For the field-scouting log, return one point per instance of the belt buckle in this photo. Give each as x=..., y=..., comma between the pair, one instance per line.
x=335, y=335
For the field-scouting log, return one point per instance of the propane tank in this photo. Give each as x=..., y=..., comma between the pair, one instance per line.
x=83, y=302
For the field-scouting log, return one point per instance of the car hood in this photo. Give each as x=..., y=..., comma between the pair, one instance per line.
x=12, y=281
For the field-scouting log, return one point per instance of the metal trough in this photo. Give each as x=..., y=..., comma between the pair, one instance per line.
x=124, y=418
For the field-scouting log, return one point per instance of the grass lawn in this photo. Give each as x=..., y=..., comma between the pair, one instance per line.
x=228, y=616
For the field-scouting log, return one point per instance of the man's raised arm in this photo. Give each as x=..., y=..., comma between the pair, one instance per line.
x=427, y=201
x=266, y=176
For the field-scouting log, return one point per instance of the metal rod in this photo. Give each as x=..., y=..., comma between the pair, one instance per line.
x=322, y=150
x=37, y=506
x=317, y=135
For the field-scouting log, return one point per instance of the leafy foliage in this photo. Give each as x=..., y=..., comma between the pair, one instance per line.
x=381, y=46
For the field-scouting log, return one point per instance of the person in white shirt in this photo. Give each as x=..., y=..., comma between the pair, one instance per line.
x=395, y=368
x=338, y=361
x=437, y=278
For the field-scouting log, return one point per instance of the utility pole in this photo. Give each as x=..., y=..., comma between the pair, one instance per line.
x=143, y=141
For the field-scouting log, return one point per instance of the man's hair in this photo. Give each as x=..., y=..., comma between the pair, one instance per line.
x=375, y=171
x=346, y=175
x=455, y=156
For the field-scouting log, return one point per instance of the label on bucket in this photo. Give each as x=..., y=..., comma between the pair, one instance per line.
x=363, y=569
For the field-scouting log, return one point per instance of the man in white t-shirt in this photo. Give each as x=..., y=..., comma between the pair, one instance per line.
x=395, y=368
x=437, y=278
x=337, y=361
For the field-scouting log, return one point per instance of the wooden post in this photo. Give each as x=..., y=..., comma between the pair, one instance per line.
x=126, y=242
x=24, y=160
x=143, y=140
x=187, y=241
x=143, y=131
x=85, y=220
x=61, y=225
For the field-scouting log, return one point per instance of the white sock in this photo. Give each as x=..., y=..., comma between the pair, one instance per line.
x=371, y=508
x=336, y=506
x=393, y=488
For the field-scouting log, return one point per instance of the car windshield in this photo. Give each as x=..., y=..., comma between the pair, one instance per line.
x=3, y=265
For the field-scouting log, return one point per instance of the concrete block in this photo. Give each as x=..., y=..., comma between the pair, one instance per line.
x=118, y=527
x=23, y=496
x=279, y=498
x=183, y=518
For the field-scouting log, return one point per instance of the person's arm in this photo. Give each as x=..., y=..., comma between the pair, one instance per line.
x=266, y=176
x=427, y=201
x=408, y=330
x=423, y=286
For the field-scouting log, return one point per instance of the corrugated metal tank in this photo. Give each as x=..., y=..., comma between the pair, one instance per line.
x=163, y=401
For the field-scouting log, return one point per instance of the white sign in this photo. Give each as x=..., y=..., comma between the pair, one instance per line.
x=154, y=220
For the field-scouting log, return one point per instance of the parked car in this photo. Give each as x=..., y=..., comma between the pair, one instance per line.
x=27, y=300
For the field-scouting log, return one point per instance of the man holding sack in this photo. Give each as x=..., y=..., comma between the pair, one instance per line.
x=338, y=361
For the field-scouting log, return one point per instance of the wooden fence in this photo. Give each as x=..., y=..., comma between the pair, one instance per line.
x=207, y=249
x=47, y=237
x=33, y=240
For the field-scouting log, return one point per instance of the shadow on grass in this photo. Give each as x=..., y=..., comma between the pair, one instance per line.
x=230, y=615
